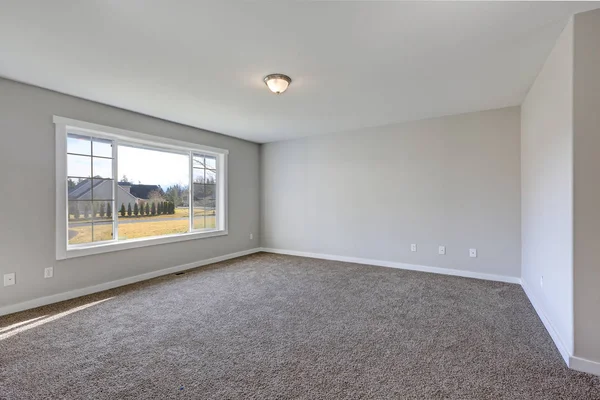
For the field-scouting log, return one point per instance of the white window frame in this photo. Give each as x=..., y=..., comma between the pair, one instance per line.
x=63, y=126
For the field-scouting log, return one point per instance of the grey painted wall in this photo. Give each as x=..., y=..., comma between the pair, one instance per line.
x=27, y=204
x=451, y=181
x=546, y=188
x=586, y=107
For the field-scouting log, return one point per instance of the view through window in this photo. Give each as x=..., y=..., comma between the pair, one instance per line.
x=150, y=198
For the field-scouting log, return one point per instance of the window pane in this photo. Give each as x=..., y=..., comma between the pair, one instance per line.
x=204, y=206
x=211, y=176
x=102, y=189
x=79, y=144
x=102, y=211
x=211, y=220
x=160, y=181
x=210, y=191
x=79, y=166
x=198, y=175
x=102, y=148
x=211, y=162
x=80, y=211
x=102, y=168
x=79, y=188
x=102, y=231
x=199, y=193
x=198, y=161
x=79, y=232
x=199, y=220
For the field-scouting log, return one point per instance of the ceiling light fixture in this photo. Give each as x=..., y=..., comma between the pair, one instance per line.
x=277, y=83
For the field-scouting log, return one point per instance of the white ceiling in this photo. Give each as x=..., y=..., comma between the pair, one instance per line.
x=353, y=64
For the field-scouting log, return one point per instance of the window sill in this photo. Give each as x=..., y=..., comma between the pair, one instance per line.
x=108, y=247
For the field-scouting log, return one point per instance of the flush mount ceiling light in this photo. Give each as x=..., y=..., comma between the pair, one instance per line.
x=277, y=83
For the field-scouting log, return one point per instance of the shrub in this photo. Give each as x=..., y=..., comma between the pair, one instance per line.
x=86, y=211
x=159, y=208
x=147, y=209
x=76, y=213
x=108, y=210
x=122, y=211
x=136, y=209
x=129, y=209
x=153, y=209
x=141, y=208
x=102, y=210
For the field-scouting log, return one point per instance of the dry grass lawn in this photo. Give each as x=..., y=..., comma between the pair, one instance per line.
x=145, y=228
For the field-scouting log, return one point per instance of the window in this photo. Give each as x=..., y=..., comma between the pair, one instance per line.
x=119, y=189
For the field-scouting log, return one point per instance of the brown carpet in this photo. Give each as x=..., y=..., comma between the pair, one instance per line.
x=278, y=327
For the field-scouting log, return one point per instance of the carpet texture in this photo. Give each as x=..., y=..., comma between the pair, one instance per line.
x=269, y=326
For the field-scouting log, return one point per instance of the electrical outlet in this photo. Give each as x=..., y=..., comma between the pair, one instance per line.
x=9, y=279
x=442, y=250
x=48, y=272
x=251, y=236
x=413, y=247
x=472, y=252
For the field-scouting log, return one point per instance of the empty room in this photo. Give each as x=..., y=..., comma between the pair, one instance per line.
x=299, y=200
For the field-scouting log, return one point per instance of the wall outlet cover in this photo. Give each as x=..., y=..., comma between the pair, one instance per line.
x=48, y=272
x=472, y=252
x=442, y=250
x=413, y=247
x=9, y=279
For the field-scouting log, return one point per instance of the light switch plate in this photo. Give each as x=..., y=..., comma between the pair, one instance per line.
x=472, y=252
x=9, y=279
x=442, y=250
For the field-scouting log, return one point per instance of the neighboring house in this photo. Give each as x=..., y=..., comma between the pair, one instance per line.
x=127, y=193
x=142, y=191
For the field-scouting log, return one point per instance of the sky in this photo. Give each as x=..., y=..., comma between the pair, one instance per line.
x=153, y=167
x=139, y=165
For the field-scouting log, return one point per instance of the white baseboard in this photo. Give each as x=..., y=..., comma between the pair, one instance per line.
x=392, y=264
x=583, y=365
x=560, y=345
x=55, y=298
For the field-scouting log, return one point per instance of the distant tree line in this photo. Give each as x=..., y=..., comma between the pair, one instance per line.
x=93, y=209
x=147, y=209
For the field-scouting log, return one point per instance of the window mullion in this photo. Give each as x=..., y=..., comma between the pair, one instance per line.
x=115, y=214
x=191, y=193
x=92, y=185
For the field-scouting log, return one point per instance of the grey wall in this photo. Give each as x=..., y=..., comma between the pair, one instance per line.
x=451, y=181
x=27, y=204
x=546, y=188
x=586, y=107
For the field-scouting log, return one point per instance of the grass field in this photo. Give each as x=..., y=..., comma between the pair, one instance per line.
x=144, y=228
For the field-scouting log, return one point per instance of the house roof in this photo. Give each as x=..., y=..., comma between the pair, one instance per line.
x=82, y=188
x=143, y=191
x=139, y=191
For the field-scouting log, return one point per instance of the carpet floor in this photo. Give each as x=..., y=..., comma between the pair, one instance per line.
x=269, y=326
